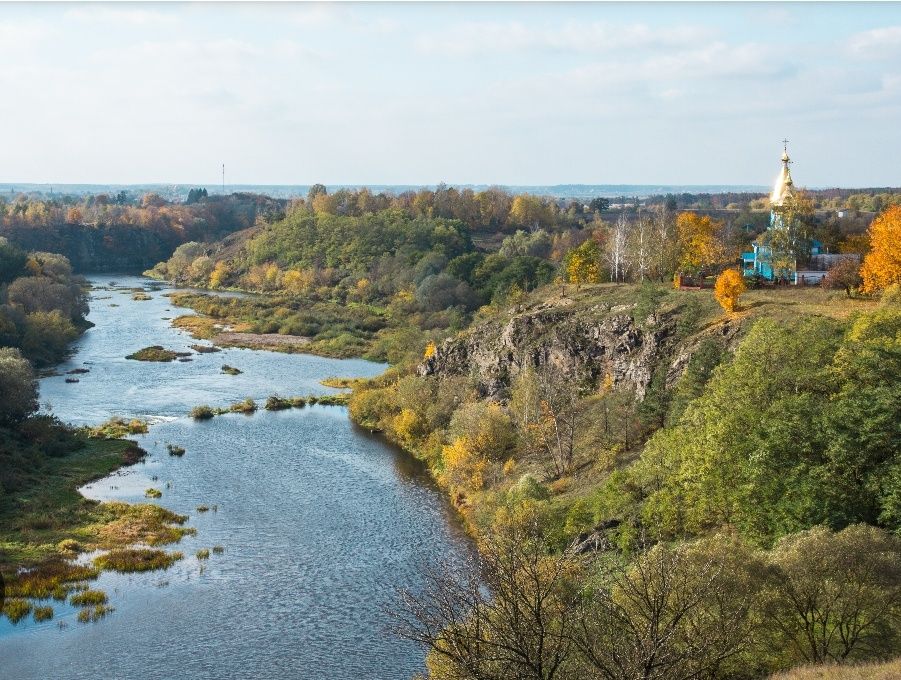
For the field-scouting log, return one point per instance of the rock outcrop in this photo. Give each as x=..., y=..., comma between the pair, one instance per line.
x=585, y=343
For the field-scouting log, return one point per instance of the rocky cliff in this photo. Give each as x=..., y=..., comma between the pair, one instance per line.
x=586, y=342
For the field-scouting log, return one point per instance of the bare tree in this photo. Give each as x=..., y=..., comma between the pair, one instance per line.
x=510, y=618
x=834, y=596
x=673, y=614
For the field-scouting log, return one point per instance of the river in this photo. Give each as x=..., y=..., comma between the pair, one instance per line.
x=320, y=521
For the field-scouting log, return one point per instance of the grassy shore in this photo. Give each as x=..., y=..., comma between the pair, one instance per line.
x=45, y=523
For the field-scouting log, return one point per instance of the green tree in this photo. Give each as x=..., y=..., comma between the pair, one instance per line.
x=18, y=389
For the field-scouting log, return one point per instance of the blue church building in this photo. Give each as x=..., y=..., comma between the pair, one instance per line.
x=759, y=262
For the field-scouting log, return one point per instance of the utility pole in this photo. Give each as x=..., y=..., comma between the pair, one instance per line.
x=223, y=179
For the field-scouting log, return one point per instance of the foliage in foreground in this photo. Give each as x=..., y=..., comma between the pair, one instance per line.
x=711, y=608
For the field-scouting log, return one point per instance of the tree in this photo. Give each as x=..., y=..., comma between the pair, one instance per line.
x=699, y=244
x=583, y=264
x=728, y=289
x=12, y=261
x=18, y=389
x=316, y=190
x=617, y=251
x=545, y=405
x=845, y=275
x=530, y=211
x=509, y=616
x=598, y=204
x=882, y=265
x=674, y=614
x=835, y=596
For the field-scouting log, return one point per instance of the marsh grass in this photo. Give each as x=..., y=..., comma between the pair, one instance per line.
x=140, y=296
x=88, y=597
x=200, y=327
x=52, y=579
x=203, y=554
x=16, y=609
x=341, y=383
x=231, y=370
x=43, y=613
x=131, y=560
x=127, y=524
x=94, y=614
x=246, y=406
x=175, y=450
x=153, y=493
x=218, y=549
x=276, y=403
x=202, y=508
x=117, y=428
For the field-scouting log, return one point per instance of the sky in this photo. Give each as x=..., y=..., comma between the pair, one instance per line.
x=408, y=93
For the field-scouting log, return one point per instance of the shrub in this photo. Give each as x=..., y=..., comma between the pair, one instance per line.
x=246, y=406
x=202, y=412
x=153, y=493
x=728, y=289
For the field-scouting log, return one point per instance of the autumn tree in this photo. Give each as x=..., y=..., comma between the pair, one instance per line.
x=530, y=211
x=882, y=265
x=583, y=264
x=675, y=613
x=699, y=243
x=728, y=289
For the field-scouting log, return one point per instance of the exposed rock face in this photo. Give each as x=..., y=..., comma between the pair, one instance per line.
x=584, y=344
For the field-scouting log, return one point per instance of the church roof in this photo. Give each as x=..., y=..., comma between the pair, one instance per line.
x=784, y=184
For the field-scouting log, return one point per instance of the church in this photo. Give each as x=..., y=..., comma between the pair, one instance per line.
x=775, y=255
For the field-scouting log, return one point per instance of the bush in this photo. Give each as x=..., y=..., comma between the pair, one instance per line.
x=246, y=406
x=203, y=412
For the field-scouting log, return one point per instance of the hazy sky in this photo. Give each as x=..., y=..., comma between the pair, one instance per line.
x=464, y=93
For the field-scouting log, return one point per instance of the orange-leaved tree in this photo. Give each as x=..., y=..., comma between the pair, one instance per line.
x=882, y=265
x=729, y=287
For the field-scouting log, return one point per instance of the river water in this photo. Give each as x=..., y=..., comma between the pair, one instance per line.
x=320, y=521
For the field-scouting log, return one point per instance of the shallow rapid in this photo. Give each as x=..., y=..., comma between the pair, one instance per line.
x=320, y=521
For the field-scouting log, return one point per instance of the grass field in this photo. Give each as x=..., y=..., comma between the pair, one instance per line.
x=890, y=670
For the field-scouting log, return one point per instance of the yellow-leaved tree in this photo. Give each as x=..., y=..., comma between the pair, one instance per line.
x=728, y=289
x=219, y=274
x=882, y=265
x=583, y=264
x=699, y=243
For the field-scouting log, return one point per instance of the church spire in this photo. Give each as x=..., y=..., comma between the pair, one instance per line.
x=784, y=183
